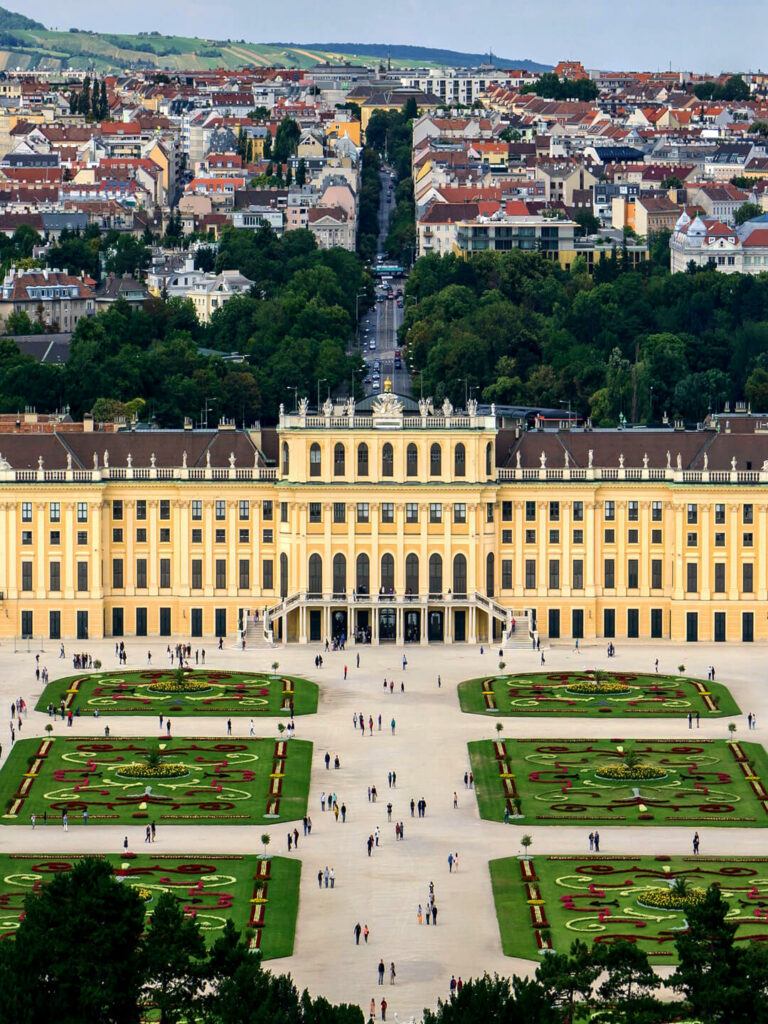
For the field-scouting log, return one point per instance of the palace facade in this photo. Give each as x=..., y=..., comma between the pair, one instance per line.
x=387, y=521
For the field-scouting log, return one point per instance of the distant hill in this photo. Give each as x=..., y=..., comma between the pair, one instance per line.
x=417, y=55
x=27, y=45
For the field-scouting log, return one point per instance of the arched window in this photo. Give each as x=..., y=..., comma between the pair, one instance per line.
x=412, y=574
x=387, y=574
x=488, y=459
x=315, y=575
x=460, y=460
x=338, y=460
x=314, y=459
x=387, y=460
x=459, y=576
x=489, y=574
x=286, y=459
x=435, y=460
x=363, y=574
x=435, y=575
x=283, y=575
x=362, y=459
x=412, y=460
x=339, y=574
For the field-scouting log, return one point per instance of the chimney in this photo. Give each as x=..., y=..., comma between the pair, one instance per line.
x=87, y=423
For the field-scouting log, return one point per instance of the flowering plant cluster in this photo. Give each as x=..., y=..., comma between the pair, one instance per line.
x=668, y=899
x=599, y=686
x=140, y=770
x=625, y=773
x=179, y=686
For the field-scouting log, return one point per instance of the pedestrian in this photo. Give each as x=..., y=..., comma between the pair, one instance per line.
x=597, y=842
x=471, y=780
x=376, y=835
x=697, y=716
x=379, y=723
x=333, y=878
x=366, y=933
x=394, y=778
x=434, y=914
x=290, y=842
x=591, y=841
x=452, y=986
x=402, y=830
x=418, y=912
x=439, y=682
x=326, y=876
x=33, y=821
x=690, y=719
x=354, y=720
x=168, y=727
x=343, y=813
x=383, y=1009
x=160, y=720
x=251, y=730
x=389, y=812
x=450, y=863
x=389, y=774
x=455, y=799
x=695, y=842
x=357, y=665
x=229, y=727
x=320, y=880
x=397, y=830
x=749, y=720
x=381, y=972
x=456, y=861
x=459, y=986
x=373, y=1010
x=85, y=815
x=392, y=974
x=322, y=801
x=466, y=780
x=65, y=821
x=392, y=723
x=296, y=839
x=147, y=835
x=125, y=844
x=358, y=932
x=327, y=761
x=656, y=665
x=345, y=672
x=413, y=806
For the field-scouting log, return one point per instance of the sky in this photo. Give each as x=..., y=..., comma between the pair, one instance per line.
x=691, y=35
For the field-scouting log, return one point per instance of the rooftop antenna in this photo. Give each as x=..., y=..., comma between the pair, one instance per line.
x=389, y=58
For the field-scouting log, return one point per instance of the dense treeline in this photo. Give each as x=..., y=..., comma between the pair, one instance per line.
x=83, y=953
x=552, y=87
x=370, y=199
x=390, y=133
x=293, y=330
x=636, y=343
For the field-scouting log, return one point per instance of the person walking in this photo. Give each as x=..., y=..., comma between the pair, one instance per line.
x=327, y=761
x=320, y=879
x=373, y=1010
x=695, y=842
x=450, y=863
x=413, y=806
x=358, y=932
x=392, y=723
x=366, y=933
x=383, y=1009
x=229, y=727
x=455, y=799
x=591, y=841
x=65, y=821
x=419, y=914
x=597, y=842
x=392, y=973
x=381, y=972
x=434, y=914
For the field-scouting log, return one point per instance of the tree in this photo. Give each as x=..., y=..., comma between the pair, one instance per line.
x=567, y=978
x=286, y=140
x=301, y=172
x=588, y=222
x=173, y=951
x=671, y=182
x=760, y=128
x=756, y=389
x=494, y=1000
x=747, y=211
x=82, y=913
x=630, y=980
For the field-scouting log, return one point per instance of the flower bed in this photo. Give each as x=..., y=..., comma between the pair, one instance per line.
x=179, y=686
x=138, y=770
x=598, y=687
x=623, y=773
x=666, y=899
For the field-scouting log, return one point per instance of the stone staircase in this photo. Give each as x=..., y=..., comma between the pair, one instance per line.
x=254, y=636
x=521, y=638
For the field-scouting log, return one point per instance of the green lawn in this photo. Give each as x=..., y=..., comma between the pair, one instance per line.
x=222, y=781
x=548, y=902
x=210, y=888
x=632, y=695
x=204, y=692
x=705, y=782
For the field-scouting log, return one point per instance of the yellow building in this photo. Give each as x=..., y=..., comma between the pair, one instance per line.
x=390, y=521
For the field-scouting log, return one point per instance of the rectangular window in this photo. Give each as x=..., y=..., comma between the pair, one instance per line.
x=578, y=574
x=747, y=514
x=387, y=512
x=748, y=540
x=165, y=535
x=435, y=512
x=530, y=511
x=244, y=509
x=610, y=536
x=578, y=536
x=244, y=536
x=657, y=574
x=165, y=572
x=221, y=509
x=719, y=577
x=267, y=536
x=197, y=536
x=27, y=624
x=633, y=574
x=691, y=577
x=720, y=515
x=315, y=512
x=82, y=511
x=633, y=536
x=748, y=577
x=506, y=574
x=26, y=536
x=283, y=511
x=221, y=573
x=530, y=573
x=117, y=535
x=266, y=511
x=633, y=511
x=364, y=512
x=165, y=509
x=506, y=511
x=609, y=623
x=117, y=574
x=54, y=625
x=55, y=537
x=719, y=540
x=54, y=576
x=26, y=575
x=82, y=576
x=220, y=536
x=26, y=511
x=609, y=511
x=489, y=512
x=141, y=509
x=267, y=575
x=656, y=536
x=554, y=536
x=411, y=512
x=197, y=510
x=82, y=537
x=197, y=574
x=506, y=536
x=656, y=623
x=339, y=512
x=460, y=513
x=609, y=573
x=530, y=536
x=554, y=574
x=554, y=511
x=578, y=511
x=55, y=512
x=656, y=511
x=692, y=540
x=633, y=623
x=692, y=513
x=244, y=574
x=141, y=574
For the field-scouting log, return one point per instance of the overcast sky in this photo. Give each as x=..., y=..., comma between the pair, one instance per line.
x=697, y=35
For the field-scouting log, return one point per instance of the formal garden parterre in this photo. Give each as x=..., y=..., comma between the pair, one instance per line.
x=256, y=893
x=596, y=693
x=598, y=782
x=125, y=781
x=181, y=693
x=643, y=900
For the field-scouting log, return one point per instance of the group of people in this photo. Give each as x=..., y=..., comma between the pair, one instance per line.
x=80, y=661
x=430, y=912
x=121, y=654
x=594, y=842
x=331, y=802
x=328, y=876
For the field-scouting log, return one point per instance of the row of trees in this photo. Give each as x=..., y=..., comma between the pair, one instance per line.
x=84, y=953
x=390, y=133
x=552, y=87
x=91, y=101
x=622, y=341
x=734, y=88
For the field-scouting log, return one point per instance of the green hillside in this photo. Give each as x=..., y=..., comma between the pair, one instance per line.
x=27, y=45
